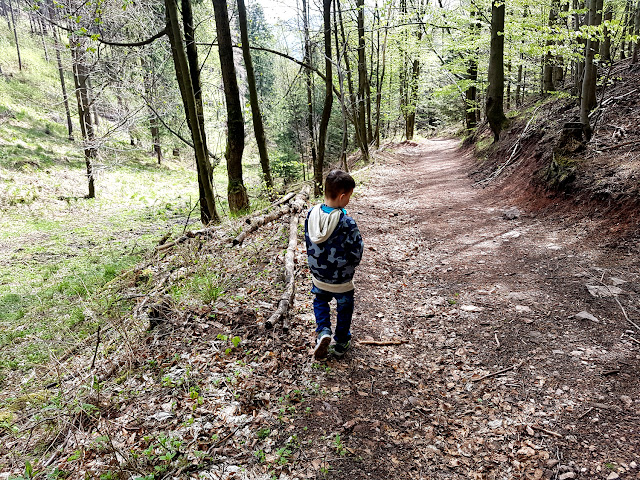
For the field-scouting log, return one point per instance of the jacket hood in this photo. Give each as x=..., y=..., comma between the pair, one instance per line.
x=321, y=225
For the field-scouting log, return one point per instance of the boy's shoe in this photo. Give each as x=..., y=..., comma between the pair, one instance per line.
x=339, y=349
x=322, y=344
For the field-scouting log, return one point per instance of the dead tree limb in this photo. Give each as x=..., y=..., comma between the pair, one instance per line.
x=382, y=343
x=196, y=233
x=286, y=299
x=257, y=222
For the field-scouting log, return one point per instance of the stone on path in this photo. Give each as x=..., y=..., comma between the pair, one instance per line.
x=603, y=290
x=586, y=316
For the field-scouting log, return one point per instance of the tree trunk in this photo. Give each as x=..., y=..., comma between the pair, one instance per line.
x=154, y=124
x=343, y=106
x=410, y=122
x=328, y=99
x=362, y=84
x=605, y=47
x=519, y=85
x=588, y=97
x=256, y=115
x=15, y=34
x=577, y=81
x=81, y=79
x=308, y=59
x=549, y=60
x=636, y=46
x=208, y=211
x=57, y=47
x=495, y=92
x=380, y=81
x=236, y=193
x=471, y=101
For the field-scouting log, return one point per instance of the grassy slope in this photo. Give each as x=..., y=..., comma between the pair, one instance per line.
x=56, y=248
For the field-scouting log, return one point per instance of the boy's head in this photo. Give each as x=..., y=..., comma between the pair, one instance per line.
x=338, y=188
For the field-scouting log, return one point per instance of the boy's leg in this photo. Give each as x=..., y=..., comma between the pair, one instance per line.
x=323, y=322
x=345, y=312
x=321, y=309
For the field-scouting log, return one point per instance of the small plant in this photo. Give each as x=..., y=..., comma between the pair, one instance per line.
x=337, y=442
x=263, y=433
x=260, y=455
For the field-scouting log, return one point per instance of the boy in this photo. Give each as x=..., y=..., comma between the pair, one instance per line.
x=334, y=250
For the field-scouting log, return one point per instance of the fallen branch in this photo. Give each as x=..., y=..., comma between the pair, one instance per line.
x=489, y=375
x=382, y=343
x=544, y=430
x=265, y=210
x=618, y=146
x=184, y=238
x=286, y=299
x=257, y=222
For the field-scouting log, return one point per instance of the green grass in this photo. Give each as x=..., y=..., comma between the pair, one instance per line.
x=58, y=249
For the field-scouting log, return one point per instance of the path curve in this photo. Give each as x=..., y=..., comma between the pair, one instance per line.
x=473, y=293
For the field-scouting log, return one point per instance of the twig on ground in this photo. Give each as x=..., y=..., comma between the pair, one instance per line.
x=382, y=343
x=495, y=335
x=489, y=375
x=587, y=412
x=548, y=432
x=95, y=352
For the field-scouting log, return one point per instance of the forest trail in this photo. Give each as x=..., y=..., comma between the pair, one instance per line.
x=473, y=293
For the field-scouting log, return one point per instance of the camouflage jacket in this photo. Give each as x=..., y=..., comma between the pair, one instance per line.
x=334, y=248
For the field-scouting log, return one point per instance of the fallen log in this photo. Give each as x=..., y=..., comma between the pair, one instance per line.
x=286, y=299
x=294, y=206
x=264, y=211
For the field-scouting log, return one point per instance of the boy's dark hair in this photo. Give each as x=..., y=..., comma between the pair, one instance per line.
x=338, y=182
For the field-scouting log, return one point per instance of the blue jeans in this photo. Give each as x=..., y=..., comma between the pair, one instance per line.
x=344, y=309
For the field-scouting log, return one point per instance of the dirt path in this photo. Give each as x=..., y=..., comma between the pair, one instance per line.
x=472, y=293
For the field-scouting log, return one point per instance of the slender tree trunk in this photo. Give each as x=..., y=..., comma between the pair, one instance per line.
x=208, y=211
x=471, y=101
x=360, y=134
x=65, y=98
x=341, y=52
x=549, y=60
x=15, y=34
x=636, y=46
x=328, y=99
x=256, y=115
x=410, y=122
x=605, y=47
x=43, y=34
x=588, y=98
x=380, y=81
x=362, y=83
x=154, y=124
x=625, y=25
x=237, y=193
x=308, y=59
x=495, y=92
x=81, y=79
x=519, y=85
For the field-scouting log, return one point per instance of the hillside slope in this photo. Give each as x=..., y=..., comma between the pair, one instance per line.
x=545, y=170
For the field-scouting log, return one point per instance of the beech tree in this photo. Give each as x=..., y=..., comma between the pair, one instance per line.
x=236, y=191
x=495, y=92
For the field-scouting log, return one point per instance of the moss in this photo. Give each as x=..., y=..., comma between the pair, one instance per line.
x=560, y=172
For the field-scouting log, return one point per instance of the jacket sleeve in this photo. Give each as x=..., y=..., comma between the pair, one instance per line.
x=354, y=246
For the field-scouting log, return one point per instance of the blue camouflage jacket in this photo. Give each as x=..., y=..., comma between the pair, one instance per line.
x=334, y=248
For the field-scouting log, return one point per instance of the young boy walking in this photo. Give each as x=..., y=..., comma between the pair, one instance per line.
x=334, y=250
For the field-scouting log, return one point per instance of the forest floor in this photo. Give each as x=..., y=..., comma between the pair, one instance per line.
x=514, y=357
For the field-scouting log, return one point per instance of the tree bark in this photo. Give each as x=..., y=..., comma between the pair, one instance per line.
x=363, y=83
x=57, y=47
x=605, y=47
x=236, y=192
x=495, y=92
x=308, y=59
x=588, y=97
x=208, y=211
x=380, y=81
x=81, y=79
x=636, y=46
x=15, y=34
x=471, y=102
x=328, y=99
x=256, y=115
x=549, y=60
